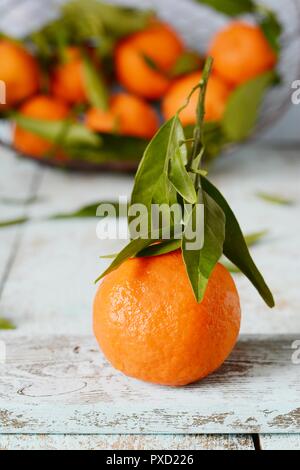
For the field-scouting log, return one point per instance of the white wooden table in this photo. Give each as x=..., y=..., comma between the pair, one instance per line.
x=56, y=389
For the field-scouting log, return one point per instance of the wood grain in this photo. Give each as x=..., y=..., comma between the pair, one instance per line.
x=126, y=442
x=64, y=385
x=18, y=184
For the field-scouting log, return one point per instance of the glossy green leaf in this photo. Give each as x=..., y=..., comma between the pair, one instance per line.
x=230, y=7
x=95, y=86
x=151, y=181
x=242, y=110
x=6, y=324
x=160, y=248
x=180, y=178
x=136, y=246
x=235, y=246
x=275, y=199
x=200, y=264
x=63, y=132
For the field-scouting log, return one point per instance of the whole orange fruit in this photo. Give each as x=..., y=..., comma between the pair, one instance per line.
x=215, y=102
x=67, y=82
x=41, y=107
x=19, y=71
x=241, y=52
x=143, y=60
x=128, y=115
x=149, y=325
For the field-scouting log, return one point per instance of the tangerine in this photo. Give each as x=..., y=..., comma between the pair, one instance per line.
x=150, y=326
x=215, y=102
x=143, y=60
x=241, y=52
x=44, y=108
x=128, y=115
x=19, y=71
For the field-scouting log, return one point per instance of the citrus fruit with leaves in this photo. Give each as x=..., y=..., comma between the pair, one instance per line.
x=41, y=107
x=166, y=311
x=151, y=54
x=150, y=326
x=215, y=102
x=241, y=52
x=127, y=115
x=68, y=81
x=19, y=71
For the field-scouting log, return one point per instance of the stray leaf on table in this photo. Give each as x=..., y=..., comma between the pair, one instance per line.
x=12, y=222
x=255, y=237
x=87, y=211
x=6, y=324
x=275, y=199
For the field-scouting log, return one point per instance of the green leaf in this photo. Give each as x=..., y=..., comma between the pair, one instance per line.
x=253, y=238
x=6, y=324
x=12, y=222
x=275, y=199
x=73, y=133
x=136, y=246
x=188, y=62
x=151, y=181
x=271, y=27
x=96, y=16
x=231, y=267
x=200, y=264
x=235, y=246
x=95, y=86
x=180, y=178
x=114, y=149
x=86, y=211
x=160, y=248
x=230, y=7
x=242, y=110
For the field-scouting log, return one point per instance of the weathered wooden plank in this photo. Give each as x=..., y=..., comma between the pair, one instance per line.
x=64, y=385
x=126, y=442
x=18, y=180
x=280, y=441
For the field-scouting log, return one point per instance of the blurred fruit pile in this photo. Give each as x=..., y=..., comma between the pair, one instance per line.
x=94, y=85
